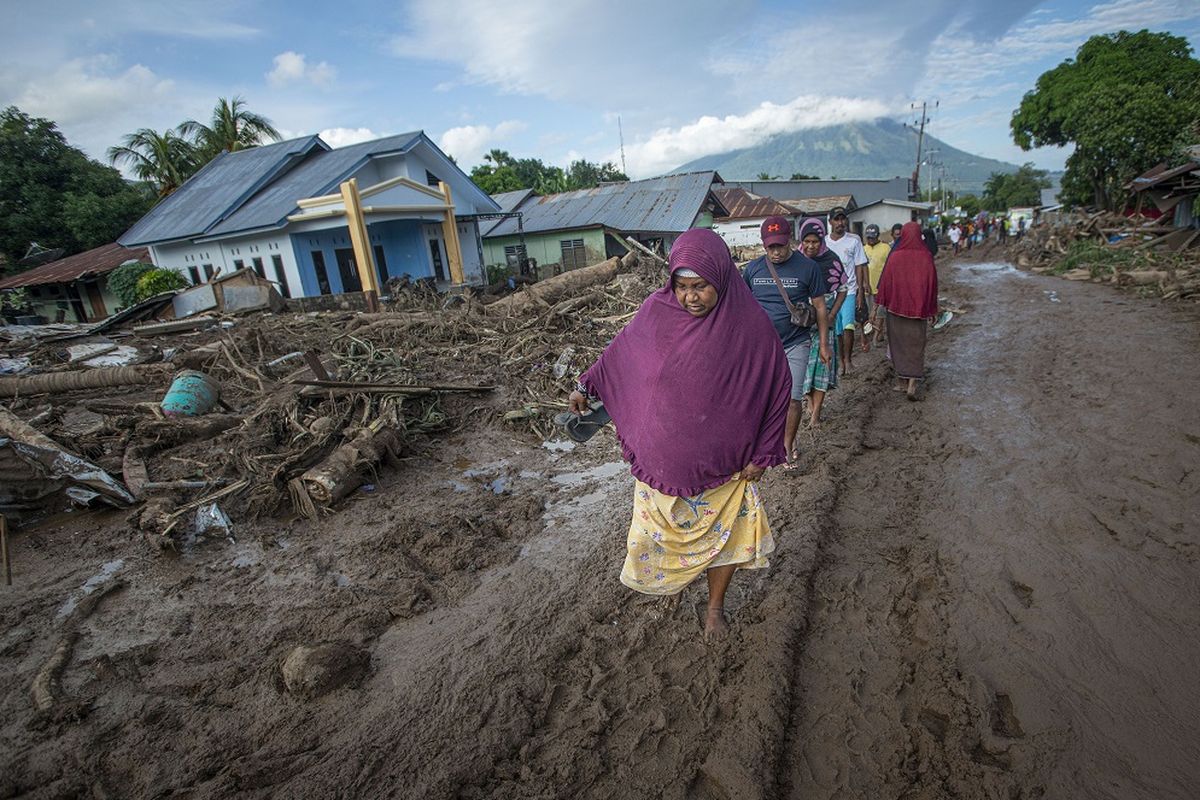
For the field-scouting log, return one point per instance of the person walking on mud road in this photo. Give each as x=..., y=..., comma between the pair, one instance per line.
x=698, y=386
x=781, y=281
x=877, y=253
x=849, y=250
x=955, y=236
x=908, y=290
x=822, y=376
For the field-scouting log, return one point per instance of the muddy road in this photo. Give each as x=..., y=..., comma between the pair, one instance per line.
x=993, y=593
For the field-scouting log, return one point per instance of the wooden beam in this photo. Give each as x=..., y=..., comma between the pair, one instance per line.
x=363, y=257
x=450, y=234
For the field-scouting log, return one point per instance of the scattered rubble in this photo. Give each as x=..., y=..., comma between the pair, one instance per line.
x=293, y=412
x=1125, y=251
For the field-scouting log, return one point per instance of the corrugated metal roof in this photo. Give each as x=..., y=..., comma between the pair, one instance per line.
x=97, y=261
x=316, y=175
x=510, y=200
x=744, y=205
x=219, y=188
x=659, y=205
x=821, y=205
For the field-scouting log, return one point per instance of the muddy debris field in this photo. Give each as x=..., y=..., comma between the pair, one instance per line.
x=368, y=564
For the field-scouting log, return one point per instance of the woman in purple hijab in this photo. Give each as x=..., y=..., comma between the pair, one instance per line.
x=698, y=386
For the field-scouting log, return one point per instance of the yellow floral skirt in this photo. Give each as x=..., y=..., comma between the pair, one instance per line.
x=674, y=539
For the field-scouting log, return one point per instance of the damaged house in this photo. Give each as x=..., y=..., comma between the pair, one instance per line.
x=575, y=229
x=75, y=288
x=278, y=209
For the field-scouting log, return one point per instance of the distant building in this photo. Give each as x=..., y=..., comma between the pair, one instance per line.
x=277, y=209
x=76, y=286
x=886, y=213
x=747, y=212
x=864, y=191
x=821, y=206
x=575, y=229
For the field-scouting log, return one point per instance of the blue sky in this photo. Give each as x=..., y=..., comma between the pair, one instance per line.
x=549, y=78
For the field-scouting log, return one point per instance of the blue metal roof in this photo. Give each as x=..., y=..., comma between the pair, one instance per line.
x=660, y=205
x=217, y=190
x=317, y=175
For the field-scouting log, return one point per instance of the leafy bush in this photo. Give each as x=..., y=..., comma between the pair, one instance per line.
x=15, y=301
x=123, y=281
x=1100, y=259
x=157, y=281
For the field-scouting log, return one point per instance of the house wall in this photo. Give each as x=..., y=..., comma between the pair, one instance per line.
x=881, y=214
x=222, y=255
x=46, y=300
x=546, y=248
x=405, y=246
x=739, y=232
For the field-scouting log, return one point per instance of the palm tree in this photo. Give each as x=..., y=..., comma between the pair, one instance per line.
x=232, y=127
x=165, y=160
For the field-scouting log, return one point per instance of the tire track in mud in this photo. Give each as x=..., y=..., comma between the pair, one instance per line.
x=641, y=707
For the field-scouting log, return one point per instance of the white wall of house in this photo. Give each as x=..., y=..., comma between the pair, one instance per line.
x=738, y=232
x=193, y=260
x=881, y=214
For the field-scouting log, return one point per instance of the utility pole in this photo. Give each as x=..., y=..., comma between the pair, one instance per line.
x=621, y=135
x=920, y=123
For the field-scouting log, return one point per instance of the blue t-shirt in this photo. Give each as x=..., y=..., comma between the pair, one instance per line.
x=801, y=278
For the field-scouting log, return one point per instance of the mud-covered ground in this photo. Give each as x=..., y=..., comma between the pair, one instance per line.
x=993, y=593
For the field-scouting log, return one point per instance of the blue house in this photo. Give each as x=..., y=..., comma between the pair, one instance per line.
x=277, y=209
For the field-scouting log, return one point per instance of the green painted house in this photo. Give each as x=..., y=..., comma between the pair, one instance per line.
x=75, y=288
x=574, y=229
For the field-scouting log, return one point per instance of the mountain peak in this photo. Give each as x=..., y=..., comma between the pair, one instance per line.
x=879, y=149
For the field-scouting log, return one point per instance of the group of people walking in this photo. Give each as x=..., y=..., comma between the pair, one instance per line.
x=708, y=384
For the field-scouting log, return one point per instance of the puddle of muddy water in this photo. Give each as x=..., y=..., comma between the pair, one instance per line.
x=595, y=473
x=107, y=571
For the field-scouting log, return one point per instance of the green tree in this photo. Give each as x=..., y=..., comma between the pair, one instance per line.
x=765, y=176
x=1003, y=191
x=1123, y=102
x=52, y=193
x=123, y=281
x=232, y=127
x=969, y=204
x=800, y=176
x=164, y=160
x=500, y=172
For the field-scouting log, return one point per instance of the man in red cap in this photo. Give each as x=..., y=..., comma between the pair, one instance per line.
x=781, y=280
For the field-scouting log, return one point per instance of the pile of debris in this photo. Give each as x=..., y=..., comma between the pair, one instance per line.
x=255, y=414
x=1125, y=251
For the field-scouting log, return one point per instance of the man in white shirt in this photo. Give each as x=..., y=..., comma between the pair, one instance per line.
x=849, y=248
x=955, y=236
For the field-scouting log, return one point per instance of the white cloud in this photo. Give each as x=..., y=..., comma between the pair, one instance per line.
x=667, y=148
x=340, y=137
x=293, y=67
x=467, y=143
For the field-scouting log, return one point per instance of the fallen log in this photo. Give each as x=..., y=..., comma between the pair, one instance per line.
x=55, y=382
x=342, y=471
x=545, y=293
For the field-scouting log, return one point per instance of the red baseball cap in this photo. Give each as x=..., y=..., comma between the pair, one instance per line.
x=776, y=230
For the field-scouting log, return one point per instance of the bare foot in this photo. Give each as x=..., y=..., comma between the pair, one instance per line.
x=911, y=392
x=715, y=627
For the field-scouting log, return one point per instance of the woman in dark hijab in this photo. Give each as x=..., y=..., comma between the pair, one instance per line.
x=698, y=387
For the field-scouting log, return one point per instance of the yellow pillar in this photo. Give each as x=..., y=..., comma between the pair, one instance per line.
x=450, y=234
x=364, y=259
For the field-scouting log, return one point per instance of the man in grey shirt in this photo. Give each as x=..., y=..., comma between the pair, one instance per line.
x=801, y=279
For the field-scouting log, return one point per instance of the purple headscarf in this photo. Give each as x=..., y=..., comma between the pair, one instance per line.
x=831, y=266
x=695, y=399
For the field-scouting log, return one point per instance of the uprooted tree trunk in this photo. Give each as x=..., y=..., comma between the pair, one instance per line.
x=54, y=382
x=342, y=471
x=545, y=294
